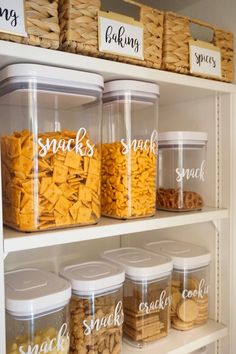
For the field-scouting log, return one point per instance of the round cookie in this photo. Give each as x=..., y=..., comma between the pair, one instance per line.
x=183, y=326
x=192, y=284
x=187, y=310
x=175, y=300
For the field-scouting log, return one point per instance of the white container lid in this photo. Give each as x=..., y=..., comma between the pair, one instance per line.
x=182, y=137
x=33, y=291
x=94, y=277
x=52, y=75
x=184, y=255
x=131, y=85
x=140, y=264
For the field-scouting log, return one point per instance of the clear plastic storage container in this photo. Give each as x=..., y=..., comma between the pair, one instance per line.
x=96, y=307
x=129, y=149
x=147, y=294
x=181, y=170
x=50, y=140
x=37, y=312
x=190, y=282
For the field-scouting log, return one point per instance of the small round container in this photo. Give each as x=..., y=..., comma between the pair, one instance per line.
x=96, y=307
x=37, y=312
x=190, y=282
x=129, y=149
x=147, y=297
x=181, y=170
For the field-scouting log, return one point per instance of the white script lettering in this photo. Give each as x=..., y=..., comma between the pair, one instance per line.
x=159, y=304
x=140, y=144
x=198, y=173
x=202, y=290
x=113, y=319
x=64, y=145
x=60, y=343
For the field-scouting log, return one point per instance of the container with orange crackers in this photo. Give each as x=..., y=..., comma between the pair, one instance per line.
x=147, y=293
x=190, y=282
x=129, y=149
x=50, y=147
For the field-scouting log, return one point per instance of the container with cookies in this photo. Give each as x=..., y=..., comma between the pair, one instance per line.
x=96, y=307
x=147, y=293
x=37, y=312
x=50, y=146
x=181, y=170
x=129, y=149
x=190, y=282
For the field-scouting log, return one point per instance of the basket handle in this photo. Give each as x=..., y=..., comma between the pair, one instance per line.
x=200, y=23
x=134, y=2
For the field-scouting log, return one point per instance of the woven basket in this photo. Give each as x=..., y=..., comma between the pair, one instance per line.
x=42, y=24
x=79, y=31
x=176, y=45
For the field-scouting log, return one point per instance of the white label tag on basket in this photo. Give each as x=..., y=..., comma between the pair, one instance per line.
x=12, y=17
x=120, y=35
x=205, y=59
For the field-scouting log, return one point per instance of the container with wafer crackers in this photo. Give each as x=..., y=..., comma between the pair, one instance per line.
x=182, y=170
x=50, y=150
x=147, y=294
x=129, y=152
x=190, y=282
x=96, y=307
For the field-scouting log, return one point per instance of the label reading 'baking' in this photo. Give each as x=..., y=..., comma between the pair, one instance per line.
x=191, y=173
x=113, y=319
x=56, y=344
x=201, y=290
x=80, y=145
x=12, y=17
x=120, y=35
x=140, y=144
x=160, y=304
x=205, y=59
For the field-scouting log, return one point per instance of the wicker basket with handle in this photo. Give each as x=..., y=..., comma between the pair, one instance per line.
x=176, y=45
x=79, y=31
x=42, y=24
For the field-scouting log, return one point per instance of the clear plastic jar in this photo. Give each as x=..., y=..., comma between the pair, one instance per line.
x=190, y=282
x=147, y=293
x=50, y=146
x=37, y=324
x=129, y=149
x=181, y=170
x=96, y=307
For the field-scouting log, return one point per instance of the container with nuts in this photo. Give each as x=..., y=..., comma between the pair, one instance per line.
x=147, y=293
x=96, y=307
x=129, y=149
x=190, y=282
x=37, y=312
x=50, y=154
x=181, y=170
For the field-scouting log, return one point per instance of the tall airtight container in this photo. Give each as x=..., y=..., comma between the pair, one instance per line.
x=129, y=149
x=50, y=146
x=37, y=312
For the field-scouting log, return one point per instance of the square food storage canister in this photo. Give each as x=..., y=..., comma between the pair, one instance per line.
x=37, y=312
x=190, y=282
x=50, y=146
x=96, y=307
x=147, y=297
x=181, y=170
x=129, y=149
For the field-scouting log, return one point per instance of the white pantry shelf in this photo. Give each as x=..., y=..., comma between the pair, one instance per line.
x=18, y=241
x=179, y=342
x=173, y=87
